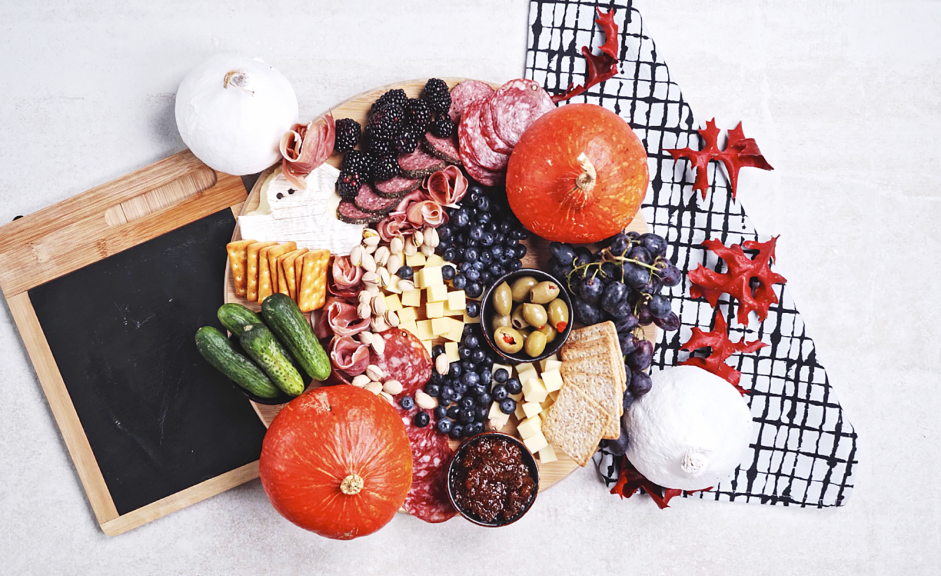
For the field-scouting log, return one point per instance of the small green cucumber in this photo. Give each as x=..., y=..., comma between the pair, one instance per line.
x=287, y=321
x=236, y=317
x=225, y=357
x=262, y=346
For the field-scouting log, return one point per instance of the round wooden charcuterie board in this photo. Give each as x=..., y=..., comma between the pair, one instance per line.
x=537, y=257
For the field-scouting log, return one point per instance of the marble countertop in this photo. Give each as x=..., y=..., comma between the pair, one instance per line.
x=843, y=98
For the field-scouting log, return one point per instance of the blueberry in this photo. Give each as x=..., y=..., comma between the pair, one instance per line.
x=456, y=432
x=476, y=232
x=474, y=290
x=466, y=265
x=484, y=399
x=453, y=411
x=455, y=370
x=460, y=218
x=481, y=412
x=484, y=218
x=422, y=419
x=447, y=272
x=513, y=386
x=459, y=390
x=437, y=350
x=459, y=282
x=487, y=239
x=478, y=390
x=500, y=392
x=435, y=377
x=485, y=376
x=471, y=340
x=505, y=227
x=449, y=254
x=478, y=265
x=467, y=364
x=432, y=389
x=444, y=424
x=447, y=394
x=496, y=250
x=501, y=375
x=471, y=254
x=407, y=402
x=514, y=265
x=405, y=272
x=486, y=257
x=471, y=378
x=483, y=203
x=466, y=416
x=479, y=355
x=472, y=275
x=519, y=251
x=464, y=353
x=486, y=277
x=444, y=232
x=441, y=412
x=507, y=406
x=474, y=192
x=496, y=269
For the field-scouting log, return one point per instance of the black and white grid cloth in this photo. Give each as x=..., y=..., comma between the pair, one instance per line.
x=803, y=448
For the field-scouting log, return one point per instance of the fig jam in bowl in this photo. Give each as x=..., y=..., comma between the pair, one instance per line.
x=493, y=479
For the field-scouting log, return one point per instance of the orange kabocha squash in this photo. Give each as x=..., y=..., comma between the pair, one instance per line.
x=578, y=174
x=337, y=461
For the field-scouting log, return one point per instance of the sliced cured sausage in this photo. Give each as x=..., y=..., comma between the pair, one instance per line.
x=484, y=176
x=349, y=213
x=427, y=499
x=487, y=131
x=444, y=148
x=515, y=106
x=419, y=163
x=368, y=201
x=397, y=187
x=474, y=149
x=404, y=358
x=464, y=93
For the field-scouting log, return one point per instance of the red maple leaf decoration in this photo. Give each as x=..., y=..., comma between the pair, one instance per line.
x=722, y=347
x=737, y=282
x=630, y=481
x=601, y=66
x=739, y=152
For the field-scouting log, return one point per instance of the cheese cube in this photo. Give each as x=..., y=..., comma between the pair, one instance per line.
x=455, y=330
x=496, y=413
x=552, y=365
x=554, y=396
x=524, y=375
x=449, y=312
x=552, y=379
x=531, y=409
x=428, y=345
x=524, y=367
x=434, y=260
x=469, y=320
x=434, y=309
x=407, y=315
x=425, y=330
x=547, y=455
x=545, y=361
x=416, y=259
x=409, y=326
x=536, y=442
x=393, y=285
x=437, y=293
x=430, y=276
x=439, y=326
x=394, y=303
x=534, y=390
x=411, y=298
x=529, y=427
x=451, y=349
x=520, y=414
x=457, y=300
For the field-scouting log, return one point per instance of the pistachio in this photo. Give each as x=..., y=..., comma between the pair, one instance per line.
x=378, y=344
x=387, y=397
x=424, y=400
x=382, y=255
x=441, y=364
x=360, y=381
x=369, y=249
x=427, y=250
x=379, y=305
x=394, y=263
x=363, y=311
x=392, y=387
x=406, y=285
x=366, y=337
x=369, y=263
x=384, y=277
x=370, y=279
x=410, y=249
x=374, y=372
x=378, y=324
x=418, y=238
x=371, y=237
x=356, y=255
x=392, y=319
x=431, y=237
x=397, y=244
x=364, y=297
x=374, y=387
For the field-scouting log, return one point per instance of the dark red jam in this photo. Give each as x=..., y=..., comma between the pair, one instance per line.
x=492, y=481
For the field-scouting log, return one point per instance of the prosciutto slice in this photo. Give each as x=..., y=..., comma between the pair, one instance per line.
x=344, y=278
x=342, y=318
x=447, y=186
x=305, y=147
x=349, y=355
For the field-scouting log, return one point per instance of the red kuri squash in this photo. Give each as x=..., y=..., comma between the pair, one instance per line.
x=337, y=461
x=578, y=174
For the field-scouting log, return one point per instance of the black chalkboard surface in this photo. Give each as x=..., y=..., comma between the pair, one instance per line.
x=158, y=417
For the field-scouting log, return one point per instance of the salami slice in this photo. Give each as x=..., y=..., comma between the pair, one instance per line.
x=349, y=213
x=482, y=175
x=474, y=148
x=404, y=359
x=444, y=148
x=464, y=93
x=368, y=201
x=419, y=164
x=515, y=106
x=487, y=131
x=397, y=187
x=427, y=499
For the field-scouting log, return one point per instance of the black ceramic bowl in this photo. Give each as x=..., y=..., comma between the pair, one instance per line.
x=457, y=459
x=486, y=311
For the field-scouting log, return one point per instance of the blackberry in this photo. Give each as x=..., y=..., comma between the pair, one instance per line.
x=443, y=126
x=358, y=162
x=406, y=141
x=347, y=135
x=385, y=168
x=348, y=184
x=386, y=123
x=418, y=114
x=437, y=96
x=381, y=147
x=396, y=97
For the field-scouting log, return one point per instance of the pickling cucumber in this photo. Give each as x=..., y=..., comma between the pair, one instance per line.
x=236, y=317
x=225, y=357
x=263, y=348
x=288, y=323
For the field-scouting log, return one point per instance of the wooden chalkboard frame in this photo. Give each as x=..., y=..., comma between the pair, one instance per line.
x=85, y=229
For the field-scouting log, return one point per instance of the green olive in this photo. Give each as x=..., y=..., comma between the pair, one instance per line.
x=508, y=339
x=497, y=320
x=521, y=288
x=558, y=314
x=503, y=299
x=550, y=333
x=517, y=320
x=544, y=292
x=535, y=343
x=535, y=315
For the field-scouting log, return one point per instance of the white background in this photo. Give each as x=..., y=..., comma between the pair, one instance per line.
x=843, y=98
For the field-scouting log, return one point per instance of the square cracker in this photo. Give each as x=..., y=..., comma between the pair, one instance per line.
x=268, y=268
x=251, y=270
x=238, y=259
x=597, y=377
x=593, y=340
x=287, y=271
x=313, y=292
x=575, y=423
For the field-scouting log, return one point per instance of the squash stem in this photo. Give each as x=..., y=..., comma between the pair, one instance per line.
x=352, y=484
x=580, y=194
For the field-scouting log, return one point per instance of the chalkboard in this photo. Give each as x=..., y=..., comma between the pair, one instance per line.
x=158, y=418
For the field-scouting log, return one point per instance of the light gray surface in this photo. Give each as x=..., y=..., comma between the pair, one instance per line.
x=843, y=99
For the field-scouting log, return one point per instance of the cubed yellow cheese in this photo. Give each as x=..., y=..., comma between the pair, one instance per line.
x=455, y=330
x=407, y=315
x=524, y=375
x=451, y=349
x=554, y=396
x=411, y=298
x=434, y=260
x=469, y=320
x=552, y=365
x=520, y=415
x=434, y=310
x=439, y=326
x=457, y=300
x=393, y=285
x=536, y=442
x=428, y=345
x=430, y=276
x=545, y=361
x=547, y=454
x=437, y=293
x=531, y=409
x=425, y=330
x=416, y=259
x=534, y=390
x=525, y=367
x=549, y=401
x=496, y=413
x=409, y=326
x=552, y=379
x=394, y=303
x=529, y=427
x=449, y=312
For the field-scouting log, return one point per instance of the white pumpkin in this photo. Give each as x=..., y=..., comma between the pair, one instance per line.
x=690, y=431
x=232, y=112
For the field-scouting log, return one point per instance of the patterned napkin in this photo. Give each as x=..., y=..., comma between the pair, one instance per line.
x=803, y=449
